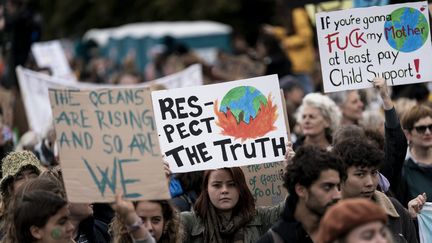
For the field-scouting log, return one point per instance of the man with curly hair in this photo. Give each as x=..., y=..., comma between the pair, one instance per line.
x=313, y=181
x=362, y=159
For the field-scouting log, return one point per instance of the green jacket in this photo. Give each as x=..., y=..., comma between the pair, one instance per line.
x=265, y=217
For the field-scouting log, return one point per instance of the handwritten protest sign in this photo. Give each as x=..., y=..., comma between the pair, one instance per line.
x=34, y=87
x=108, y=144
x=221, y=125
x=265, y=181
x=50, y=54
x=391, y=41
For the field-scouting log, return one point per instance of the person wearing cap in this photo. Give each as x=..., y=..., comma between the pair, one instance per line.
x=17, y=167
x=362, y=159
x=354, y=221
x=313, y=180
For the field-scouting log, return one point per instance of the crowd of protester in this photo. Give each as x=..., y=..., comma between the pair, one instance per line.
x=359, y=168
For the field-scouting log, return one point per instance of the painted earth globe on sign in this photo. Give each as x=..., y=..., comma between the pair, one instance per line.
x=407, y=30
x=245, y=113
x=244, y=103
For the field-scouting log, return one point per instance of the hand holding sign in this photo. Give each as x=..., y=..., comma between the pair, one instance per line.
x=380, y=84
x=222, y=125
x=416, y=205
x=108, y=144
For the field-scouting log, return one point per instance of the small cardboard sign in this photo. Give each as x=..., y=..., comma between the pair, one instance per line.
x=265, y=181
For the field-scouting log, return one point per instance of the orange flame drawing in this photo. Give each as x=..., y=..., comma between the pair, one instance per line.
x=257, y=127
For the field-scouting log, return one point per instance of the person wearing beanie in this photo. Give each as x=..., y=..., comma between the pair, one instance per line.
x=354, y=221
x=313, y=180
x=362, y=159
x=17, y=167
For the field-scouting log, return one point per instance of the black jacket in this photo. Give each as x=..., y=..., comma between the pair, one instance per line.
x=395, y=152
x=95, y=231
x=288, y=228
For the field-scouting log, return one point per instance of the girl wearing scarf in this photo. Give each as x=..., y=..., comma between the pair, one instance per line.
x=225, y=211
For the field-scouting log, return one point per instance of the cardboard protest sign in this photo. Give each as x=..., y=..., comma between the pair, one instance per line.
x=265, y=181
x=357, y=45
x=221, y=125
x=34, y=87
x=108, y=144
x=50, y=54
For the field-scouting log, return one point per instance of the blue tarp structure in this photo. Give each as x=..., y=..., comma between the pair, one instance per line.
x=147, y=38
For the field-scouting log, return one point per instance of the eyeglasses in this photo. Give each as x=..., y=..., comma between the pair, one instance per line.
x=422, y=129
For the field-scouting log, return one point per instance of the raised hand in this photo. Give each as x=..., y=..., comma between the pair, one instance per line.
x=416, y=205
x=380, y=85
x=289, y=154
x=124, y=209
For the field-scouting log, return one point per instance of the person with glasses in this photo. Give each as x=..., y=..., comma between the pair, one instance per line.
x=417, y=169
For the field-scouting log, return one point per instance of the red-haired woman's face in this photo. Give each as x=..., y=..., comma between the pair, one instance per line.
x=222, y=190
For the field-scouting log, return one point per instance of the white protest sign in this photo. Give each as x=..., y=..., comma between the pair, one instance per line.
x=221, y=125
x=34, y=87
x=425, y=223
x=108, y=144
x=50, y=54
x=392, y=41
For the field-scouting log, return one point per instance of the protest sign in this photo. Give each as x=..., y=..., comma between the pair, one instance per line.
x=50, y=54
x=34, y=87
x=359, y=44
x=108, y=144
x=221, y=125
x=425, y=223
x=265, y=181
